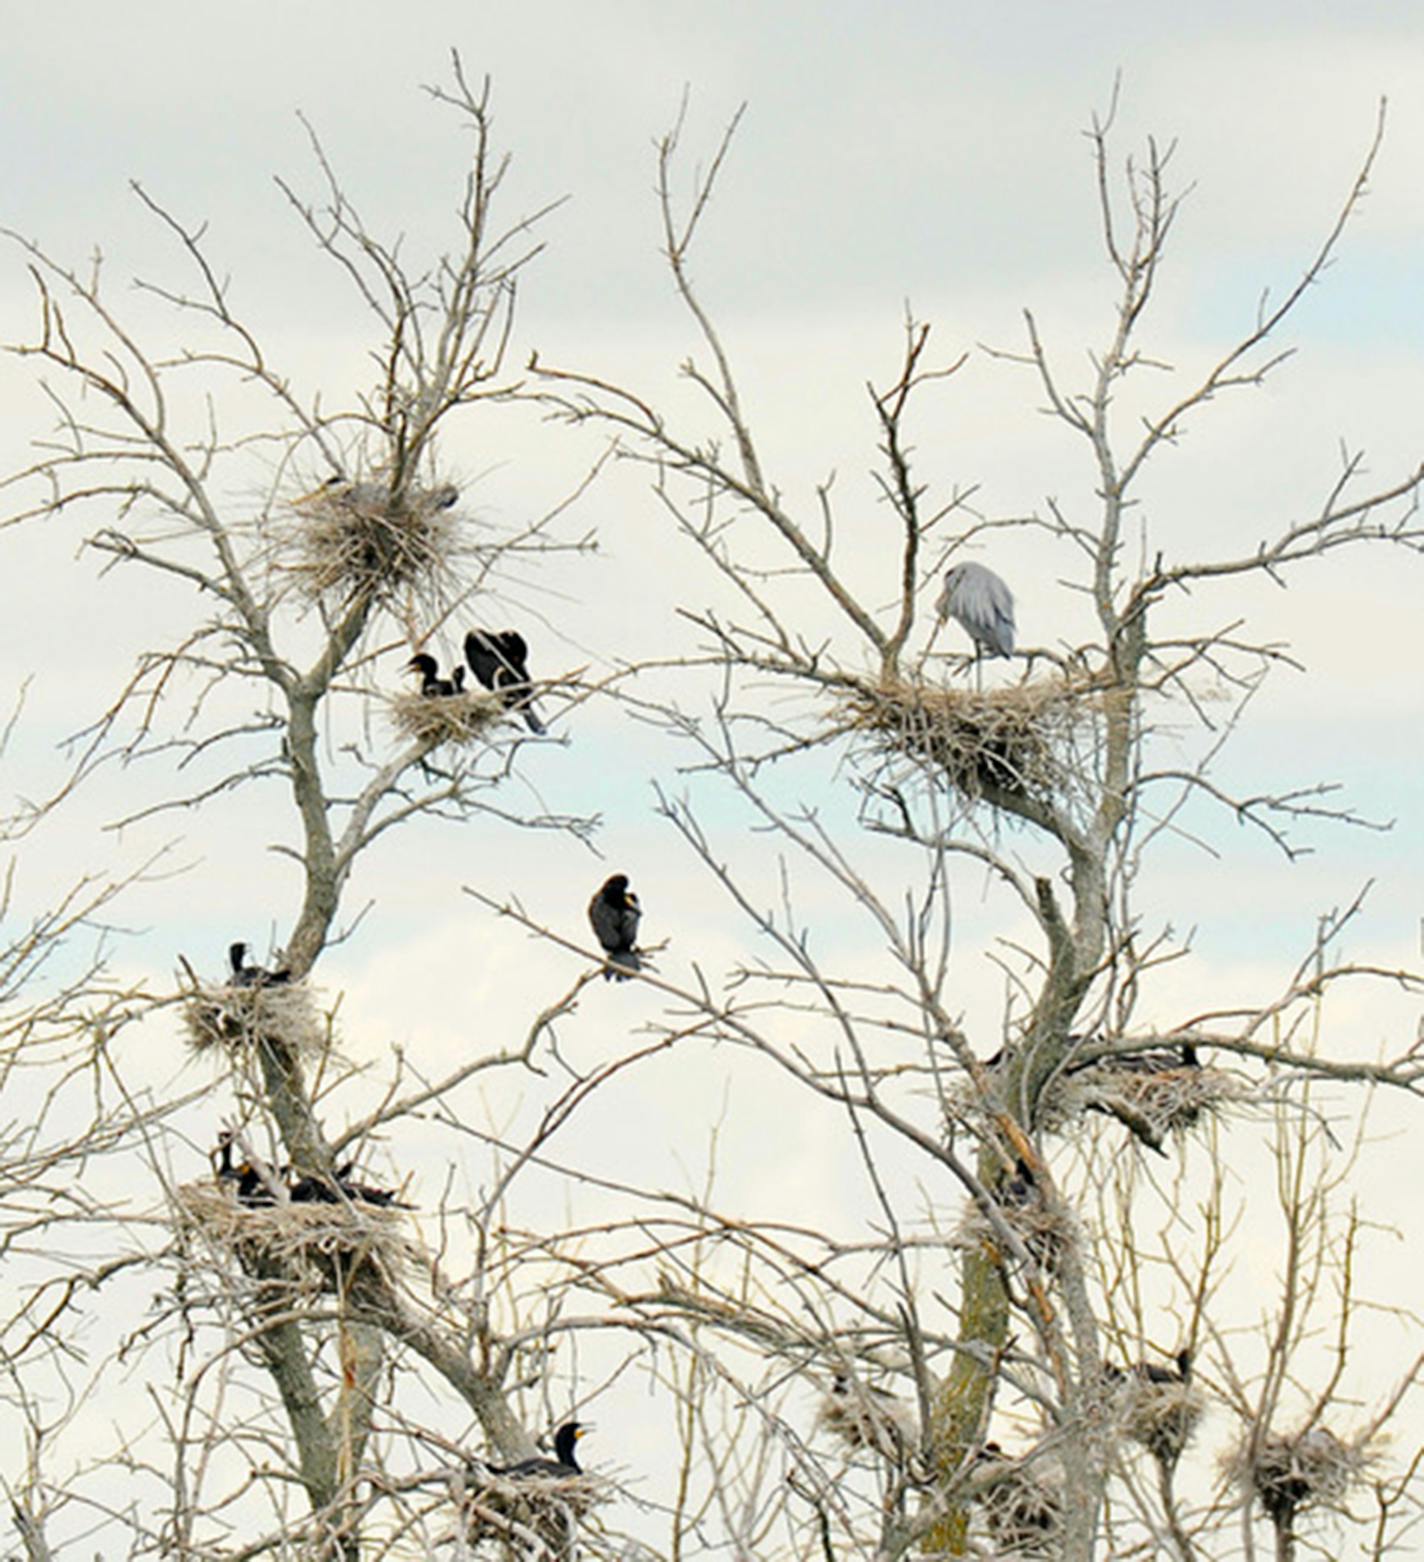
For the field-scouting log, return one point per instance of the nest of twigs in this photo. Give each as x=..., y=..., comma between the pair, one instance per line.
x=1156, y=1103
x=358, y=539
x=1044, y=1232
x=533, y=1513
x=1022, y=1510
x=1161, y=1416
x=238, y=1018
x=1016, y=740
x=868, y=1419
x=1308, y=1469
x=329, y=1242
x=445, y=718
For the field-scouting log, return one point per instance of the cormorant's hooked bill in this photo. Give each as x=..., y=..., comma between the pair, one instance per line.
x=245, y=974
x=500, y=660
x=431, y=683
x=614, y=914
x=562, y=1464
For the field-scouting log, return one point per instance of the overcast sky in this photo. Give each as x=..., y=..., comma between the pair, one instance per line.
x=923, y=152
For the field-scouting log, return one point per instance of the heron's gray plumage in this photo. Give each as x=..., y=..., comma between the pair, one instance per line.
x=979, y=601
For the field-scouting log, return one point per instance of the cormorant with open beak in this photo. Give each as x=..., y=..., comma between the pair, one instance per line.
x=500, y=660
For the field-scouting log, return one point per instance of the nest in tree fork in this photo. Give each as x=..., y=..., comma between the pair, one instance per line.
x=445, y=718
x=1154, y=1103
x=865, y=1417
x=355, y=539
x=1310, y=1468
x=1022, y=1510
x=530, y=1515
x=238, y=1018
x=1016, y=740
x=326, y=1244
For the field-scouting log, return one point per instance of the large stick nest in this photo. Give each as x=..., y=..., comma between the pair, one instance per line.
x=1022, y=1509
x=445, y=718
x=327, y=1242
x=1306, y=1469
x=1161, y=1416
x=864, y=1417
x=532, y=1515
x=358, y=539
x=238, y=1018
x=1017, y=740
x=1156, y=1103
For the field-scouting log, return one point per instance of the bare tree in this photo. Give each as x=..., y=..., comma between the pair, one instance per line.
x=1009, y=1350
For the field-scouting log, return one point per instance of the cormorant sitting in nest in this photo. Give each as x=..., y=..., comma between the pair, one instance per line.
x=431, y=683
x=614, y=913
x=310, y=1189
x=500, y=660
x=245, y=975
x=563, y=1463
x=252, y=1185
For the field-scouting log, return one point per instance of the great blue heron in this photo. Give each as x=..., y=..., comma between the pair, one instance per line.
x=431, y=683
x=563, y=1463
x=614, y=914
x=500, y=660
x=982, y=605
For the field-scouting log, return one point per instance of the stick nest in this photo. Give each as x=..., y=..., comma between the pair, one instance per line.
x=1157, y=1103
x=358, y=539
x=445, y=718
x=237, y=1018
x=1018, y=740
x=326, y=1241
x=533, y=1514
x=868, y=1418
x=1310, y=1468
x=1044, y=1232
x=1160, y=1416
x=1022, y=1510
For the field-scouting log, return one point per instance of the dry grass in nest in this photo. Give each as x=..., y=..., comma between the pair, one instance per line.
x=237, y=1018
x=1159, y=1416
x=531, y=1512
x=1044, y=1232
x=1310, y=1468
x=868, y=1418
x=1015, y=739
x=445, y=718
x=349, y=540
x=1155, y=1104
x=1022, y=1510
x=326, y=1241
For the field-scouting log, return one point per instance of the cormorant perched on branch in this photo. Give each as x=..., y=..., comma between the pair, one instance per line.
x=245, y=975
x=562, y=1464
x=615, y=913
x=500, y=660
x=431, y=683
x=252, y=1185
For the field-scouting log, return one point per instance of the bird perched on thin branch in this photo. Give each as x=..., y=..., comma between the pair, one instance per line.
x=614, y=914
x=245, y=974
x=500, y=660
x=431, y=683
x=561, y=1465
x=982, y=605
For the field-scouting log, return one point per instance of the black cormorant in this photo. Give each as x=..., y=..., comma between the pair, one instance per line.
x=500, y=660
x=615, y=913
x=431, y=683
x=562, y=1464
x=252, y=1185
x=245, y=975
x=339, y=1189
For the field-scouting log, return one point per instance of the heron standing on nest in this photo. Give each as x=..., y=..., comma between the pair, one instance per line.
x=982, y=605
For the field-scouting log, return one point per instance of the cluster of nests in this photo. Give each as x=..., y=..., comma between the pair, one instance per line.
x=1021, y=741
